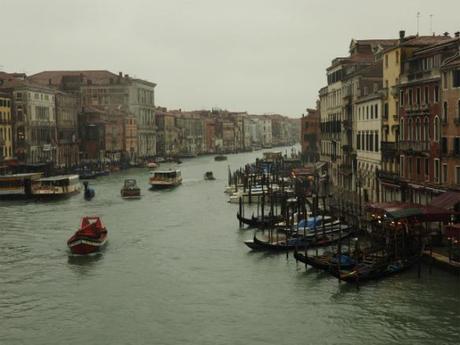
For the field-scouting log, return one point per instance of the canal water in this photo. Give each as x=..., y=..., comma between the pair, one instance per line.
x=176, y=271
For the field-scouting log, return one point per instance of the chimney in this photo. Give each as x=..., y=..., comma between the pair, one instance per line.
x=402, y=33
x=126, y=75
x=49, y=81
x=457, y=34
x=120, y=74
x=446, y=34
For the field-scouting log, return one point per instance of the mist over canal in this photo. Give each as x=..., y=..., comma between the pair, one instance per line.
x=176, y=271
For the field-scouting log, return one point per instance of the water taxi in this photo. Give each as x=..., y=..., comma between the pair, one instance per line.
x=57, y=186
x=130, y=190
x=18, y=185
x=165, y=179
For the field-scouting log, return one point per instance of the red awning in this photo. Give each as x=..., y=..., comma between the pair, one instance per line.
x=446, y=200
x=399, y=210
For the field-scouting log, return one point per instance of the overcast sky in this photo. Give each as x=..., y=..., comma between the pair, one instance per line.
x=260, y=56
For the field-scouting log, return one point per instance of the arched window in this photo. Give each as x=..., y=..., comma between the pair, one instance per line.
x=436, y=129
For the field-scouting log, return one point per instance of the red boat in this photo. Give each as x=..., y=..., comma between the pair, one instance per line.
x=90, y=238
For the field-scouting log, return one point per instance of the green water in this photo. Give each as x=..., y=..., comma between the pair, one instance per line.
x=176, y=271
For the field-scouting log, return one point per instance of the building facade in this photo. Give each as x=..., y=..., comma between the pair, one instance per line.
x=6, y=128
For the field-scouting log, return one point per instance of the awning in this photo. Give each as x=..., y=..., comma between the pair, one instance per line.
x=398, y=211
x=446, y=200
x=390, y=185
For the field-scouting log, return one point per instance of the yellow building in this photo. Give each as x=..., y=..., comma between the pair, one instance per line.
x=393, y=63
x=6, y=128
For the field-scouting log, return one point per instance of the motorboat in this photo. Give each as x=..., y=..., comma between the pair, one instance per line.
x=57, y=186
x=91, y=237
x=165, y=179
x=130, y=190
x=209, y=176
x=89, y=192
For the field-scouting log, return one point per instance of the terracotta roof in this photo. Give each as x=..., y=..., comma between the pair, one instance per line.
x=414, y=41
x=96, y=76
x=382, y=42
x=453, y=61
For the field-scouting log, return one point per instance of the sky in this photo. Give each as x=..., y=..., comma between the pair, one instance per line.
x=259, y=56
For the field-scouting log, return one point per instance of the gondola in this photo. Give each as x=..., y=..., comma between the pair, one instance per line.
x=326, y=261
x=259, y=222
x=299, y=242
x=377, y=269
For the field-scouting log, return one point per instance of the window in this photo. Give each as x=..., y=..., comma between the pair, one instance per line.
x=358, y=141
x=444, y=145
x=458, y=109
x=427, y=166
x=409, y=130
x=401, y=97
x=456, y=78
x=436, y=128
x=436, y=94
x=418, y=95
x=371, y=142
x=418, y=166
x=457, y=145
x=376, y=136
x=457, y=174
x=444, y=173
x=401, y=166
x=427, y=129
x=401, y=132
x=417, y=130
x=410, y=96
x=427, y=95
x=436, y=169
x=385, y=110
x=376, y=111
x=444, y=112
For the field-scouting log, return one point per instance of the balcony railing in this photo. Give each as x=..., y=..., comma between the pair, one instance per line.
x=414, y=146
x=387, y=175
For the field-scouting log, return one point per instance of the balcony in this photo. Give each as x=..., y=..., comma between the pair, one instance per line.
x=387, y=175
x=414, y=146
x=5, y=122
x=389, y=149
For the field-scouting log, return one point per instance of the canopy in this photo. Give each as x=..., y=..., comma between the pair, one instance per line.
x=399, y=211
x=446, y=200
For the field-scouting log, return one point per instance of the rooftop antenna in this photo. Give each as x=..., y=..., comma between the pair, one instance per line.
x=418, y=20
x=431, y=24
